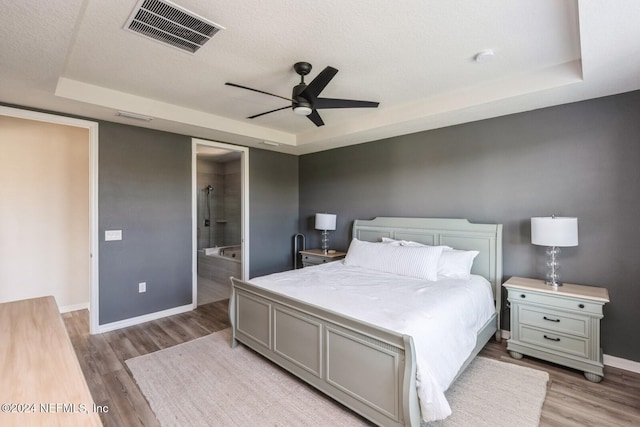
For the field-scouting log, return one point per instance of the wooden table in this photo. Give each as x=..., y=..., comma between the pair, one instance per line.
x=41, y=382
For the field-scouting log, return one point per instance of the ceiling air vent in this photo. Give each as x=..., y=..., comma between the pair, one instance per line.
x=171, y=24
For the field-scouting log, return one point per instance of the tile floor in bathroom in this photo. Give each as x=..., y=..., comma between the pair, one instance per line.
x=210, y=291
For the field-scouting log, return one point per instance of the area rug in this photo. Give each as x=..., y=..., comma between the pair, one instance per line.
x=206, y=383
x=490, y=393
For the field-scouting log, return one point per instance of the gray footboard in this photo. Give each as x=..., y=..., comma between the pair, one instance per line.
x=366, y=368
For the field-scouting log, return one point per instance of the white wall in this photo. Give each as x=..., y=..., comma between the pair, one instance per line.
x=44, y=211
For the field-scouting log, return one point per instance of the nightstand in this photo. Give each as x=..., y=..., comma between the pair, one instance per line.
x=317, y=256
x=560, y=325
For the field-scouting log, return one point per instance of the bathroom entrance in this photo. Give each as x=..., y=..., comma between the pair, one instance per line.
x=220, y=195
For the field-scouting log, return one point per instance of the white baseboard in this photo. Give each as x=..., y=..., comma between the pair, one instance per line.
x=618, y=362
x=74, y=307
x=144, y=318
x=613, y=361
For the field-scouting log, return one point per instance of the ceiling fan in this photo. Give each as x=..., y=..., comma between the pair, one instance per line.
x=304, y=99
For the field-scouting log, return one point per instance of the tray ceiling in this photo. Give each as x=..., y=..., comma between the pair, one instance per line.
x=415, y=57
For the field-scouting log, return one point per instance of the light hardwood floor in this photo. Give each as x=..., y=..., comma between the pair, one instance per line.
x=102, y=356
x=571, y=399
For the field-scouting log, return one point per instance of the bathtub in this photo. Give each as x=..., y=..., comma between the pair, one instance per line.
x=234, y=252
x=218, y=264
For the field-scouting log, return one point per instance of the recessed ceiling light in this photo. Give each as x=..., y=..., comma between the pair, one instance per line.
x=484, y=56
x=273, y=144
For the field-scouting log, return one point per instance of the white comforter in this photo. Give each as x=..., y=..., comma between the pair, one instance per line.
x=443, y=317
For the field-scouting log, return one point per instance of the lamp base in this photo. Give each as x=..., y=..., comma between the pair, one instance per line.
x=325, y=242
x=553, y=278
x=553, y=284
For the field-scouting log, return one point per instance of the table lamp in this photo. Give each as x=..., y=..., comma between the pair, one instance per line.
x=325, y=222
x=554, y=232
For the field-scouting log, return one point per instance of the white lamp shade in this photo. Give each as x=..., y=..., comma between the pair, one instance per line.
x=554, y=231
x=325, y=221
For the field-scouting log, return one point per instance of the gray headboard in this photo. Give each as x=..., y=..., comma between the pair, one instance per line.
x=456, y=233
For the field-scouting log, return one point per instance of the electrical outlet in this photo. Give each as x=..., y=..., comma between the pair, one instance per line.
x=142, y=287
x=207, y=223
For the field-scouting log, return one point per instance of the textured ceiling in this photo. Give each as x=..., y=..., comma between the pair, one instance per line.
x=415, y=57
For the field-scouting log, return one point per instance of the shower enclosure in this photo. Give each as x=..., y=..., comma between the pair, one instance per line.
x=219, y=225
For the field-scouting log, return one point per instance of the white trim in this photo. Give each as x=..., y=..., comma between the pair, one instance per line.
x=74, y=307
x=244, y=165
x=618, y=362
x=107, y=327
x=92, y=127
x=613, y=361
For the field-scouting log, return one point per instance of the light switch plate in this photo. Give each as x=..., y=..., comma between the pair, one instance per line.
x=112, y=235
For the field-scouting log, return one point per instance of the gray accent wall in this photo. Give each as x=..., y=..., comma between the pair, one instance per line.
x=580, y=159
x=145, y=191
x=273, y=193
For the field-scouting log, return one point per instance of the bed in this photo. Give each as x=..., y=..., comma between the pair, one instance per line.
x=368, y=368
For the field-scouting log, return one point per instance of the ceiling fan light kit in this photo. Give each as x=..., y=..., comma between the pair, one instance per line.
x=302, y=110
x=305, y=99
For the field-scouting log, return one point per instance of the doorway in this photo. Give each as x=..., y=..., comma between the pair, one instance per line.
x=220, y=218
x=74, y=237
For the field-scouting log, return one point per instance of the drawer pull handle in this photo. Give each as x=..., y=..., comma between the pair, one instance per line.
x=581, y=305
x=551, y=320
x=551, y=339
x=523, y=296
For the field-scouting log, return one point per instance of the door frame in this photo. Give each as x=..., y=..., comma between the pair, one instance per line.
x=244, y=173
x=92, y=127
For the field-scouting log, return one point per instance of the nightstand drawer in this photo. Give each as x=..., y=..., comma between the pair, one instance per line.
x=552, y=320
x=314, y=260
x=317, y=256
x=551, y=340
x=556, y=301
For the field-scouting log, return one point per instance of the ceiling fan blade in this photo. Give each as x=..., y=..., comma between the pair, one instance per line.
x=259, y=91
x=315, y=118
x=272, y=111
x=343, y=103
x=316, y=86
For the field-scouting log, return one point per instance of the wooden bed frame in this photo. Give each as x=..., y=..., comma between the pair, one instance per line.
x=369, y=369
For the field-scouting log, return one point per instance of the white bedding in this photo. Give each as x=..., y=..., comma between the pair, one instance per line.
x=442, y=317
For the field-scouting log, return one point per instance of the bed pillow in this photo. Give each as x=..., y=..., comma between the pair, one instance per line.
x=454, y=263
x=395, y=242
x=414, y=261
x=392, y=241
